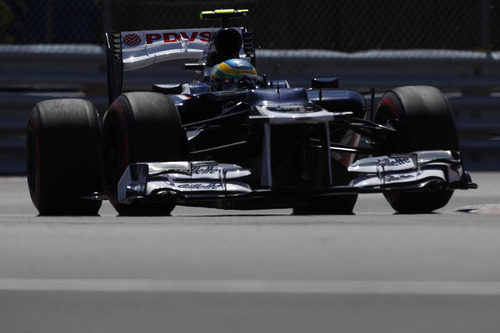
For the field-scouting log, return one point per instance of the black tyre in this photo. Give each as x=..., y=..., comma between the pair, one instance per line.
x=140, y=127
x=424, y=121
x=62, y=157
x=332, y=204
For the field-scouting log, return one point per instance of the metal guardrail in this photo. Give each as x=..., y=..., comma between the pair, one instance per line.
x=31, y=73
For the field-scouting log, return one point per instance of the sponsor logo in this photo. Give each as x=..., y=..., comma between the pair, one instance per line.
x=170, y=37
x=393, y=162
x=202, y=186
x=397, y=178
x=132, y=40
x=205, y=170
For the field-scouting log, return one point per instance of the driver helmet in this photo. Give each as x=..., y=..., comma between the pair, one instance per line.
x=227, y=74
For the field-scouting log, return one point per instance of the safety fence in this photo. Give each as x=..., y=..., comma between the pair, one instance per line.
x=347, y=26
x=471, y=80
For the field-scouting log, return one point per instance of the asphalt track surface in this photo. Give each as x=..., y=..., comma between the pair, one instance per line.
x=206, y=270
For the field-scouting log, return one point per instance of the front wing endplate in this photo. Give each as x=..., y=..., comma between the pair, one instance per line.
x=438, y=168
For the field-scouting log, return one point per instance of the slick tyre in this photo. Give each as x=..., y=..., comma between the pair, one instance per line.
x=333, y=204
x=424, y=120
x=140, y=127
x=62, y=157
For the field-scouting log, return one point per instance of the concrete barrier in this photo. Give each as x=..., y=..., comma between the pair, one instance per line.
x=30, y=73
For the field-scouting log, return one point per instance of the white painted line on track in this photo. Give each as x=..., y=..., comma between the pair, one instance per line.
x=491, y=288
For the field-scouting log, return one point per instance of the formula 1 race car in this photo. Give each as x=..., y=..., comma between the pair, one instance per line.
x=234, y=139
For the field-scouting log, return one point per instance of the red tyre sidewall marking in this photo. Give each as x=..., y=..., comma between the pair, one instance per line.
x=391, y=105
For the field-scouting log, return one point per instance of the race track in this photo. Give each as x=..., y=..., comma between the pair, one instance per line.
x=206, y=270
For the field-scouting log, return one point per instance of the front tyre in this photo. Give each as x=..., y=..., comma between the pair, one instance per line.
x=140, y=127
x=424, y=120
x=62, y=145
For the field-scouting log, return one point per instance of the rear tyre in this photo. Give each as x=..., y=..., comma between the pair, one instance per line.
x=424, y=121
x=140, y=127
x=62, y=157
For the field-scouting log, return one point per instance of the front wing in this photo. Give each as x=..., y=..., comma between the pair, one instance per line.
x=209, y=181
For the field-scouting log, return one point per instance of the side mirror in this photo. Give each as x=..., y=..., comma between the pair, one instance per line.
x=325, y=82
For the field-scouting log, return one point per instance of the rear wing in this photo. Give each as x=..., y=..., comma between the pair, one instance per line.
x=131, y=50
x=145, y=48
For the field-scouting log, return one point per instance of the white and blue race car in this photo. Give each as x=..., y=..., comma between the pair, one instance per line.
x=234, y=139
